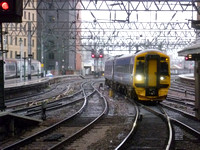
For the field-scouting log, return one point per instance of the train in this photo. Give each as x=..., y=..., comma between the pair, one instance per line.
x=12, y=67
x=144, y=76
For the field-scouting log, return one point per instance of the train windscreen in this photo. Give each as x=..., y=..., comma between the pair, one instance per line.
x=164, y=68
x=140, y=68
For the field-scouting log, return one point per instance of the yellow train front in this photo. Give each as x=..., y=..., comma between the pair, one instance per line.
x=144, y=76
x=151, y=75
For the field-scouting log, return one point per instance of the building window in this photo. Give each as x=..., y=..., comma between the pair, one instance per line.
x=24, y=54
x=11, y=54
x=6, y=40
x=51, y=18
x=15, y=54
x=15, y=40
x=25, y=29
x=33, y=55
x=50, y=5
x=29, y=16
x=24, y=14
x=33, y=17
x=24, y=41
x=11, y=40
x=51, y=56
x=33, y=43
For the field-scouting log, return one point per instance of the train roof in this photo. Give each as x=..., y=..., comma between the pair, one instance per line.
x=13, y=59
x=132, y=55
x=150, y=50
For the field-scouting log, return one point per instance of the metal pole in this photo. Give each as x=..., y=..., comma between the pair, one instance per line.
x=24, y=68
x=2, y=93
x=29, y=51
x=20, y=41
x=42, y=55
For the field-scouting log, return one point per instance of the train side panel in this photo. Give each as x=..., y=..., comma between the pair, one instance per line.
x=108, y=73
x=122, y=70
x=10, y=68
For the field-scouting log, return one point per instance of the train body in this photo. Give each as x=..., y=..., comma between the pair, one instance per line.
x=143, y=76
x=12, y=67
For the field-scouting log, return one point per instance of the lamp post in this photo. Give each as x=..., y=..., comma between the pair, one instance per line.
x=29, y=66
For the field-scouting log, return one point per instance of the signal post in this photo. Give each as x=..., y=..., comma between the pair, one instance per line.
x=96, y=55
x=10, y=11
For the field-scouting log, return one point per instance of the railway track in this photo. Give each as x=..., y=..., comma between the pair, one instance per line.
x=186, y=129
x=53, y=105
x=153, y=131
x=95, y=116
x=150, y=133
x=61, y=90
x=52, y=133
x=179, y=87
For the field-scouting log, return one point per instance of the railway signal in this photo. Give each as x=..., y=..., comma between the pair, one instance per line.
x=4, y=6
x=11, y=10
x=192, y=57
x=101, y=53
x=93, y=53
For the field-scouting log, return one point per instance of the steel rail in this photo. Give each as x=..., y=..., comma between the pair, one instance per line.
x=47, y=130
x=85, y=128
x=182, y=125
x=186, y=127
x=180, y=111
x=122, y=144
x=167, y=118
x=170, y=129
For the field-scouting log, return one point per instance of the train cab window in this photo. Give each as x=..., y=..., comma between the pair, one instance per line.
x=140, y=68
x=164, y=68
x=140, y=58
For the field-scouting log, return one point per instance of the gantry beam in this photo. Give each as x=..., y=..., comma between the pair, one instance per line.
x=113, y=30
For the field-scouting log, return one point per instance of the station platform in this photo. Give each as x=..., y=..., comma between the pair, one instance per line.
x=12, y=124
x=16, y=82
x=14, y=88
x=187, y=76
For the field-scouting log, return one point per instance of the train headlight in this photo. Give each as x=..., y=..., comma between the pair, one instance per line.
x=138, y=77
x=162, y=78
